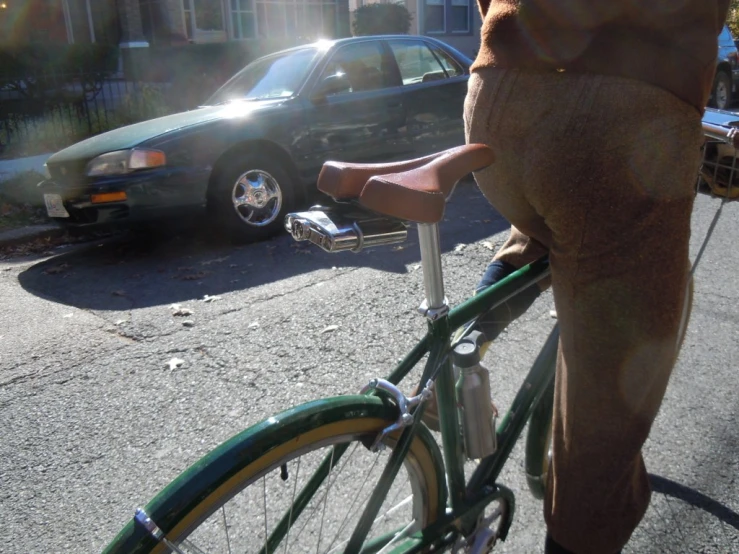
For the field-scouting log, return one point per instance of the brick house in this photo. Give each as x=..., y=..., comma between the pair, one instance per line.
x=144, y=23
x=456, y=22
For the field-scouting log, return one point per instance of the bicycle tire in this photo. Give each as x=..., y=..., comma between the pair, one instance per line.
x=260, y=453
x=538, y=443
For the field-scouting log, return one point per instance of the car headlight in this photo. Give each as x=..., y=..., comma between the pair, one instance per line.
x=125, y=161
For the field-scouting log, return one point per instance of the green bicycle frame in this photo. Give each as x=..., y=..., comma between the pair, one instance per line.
x=467, y=499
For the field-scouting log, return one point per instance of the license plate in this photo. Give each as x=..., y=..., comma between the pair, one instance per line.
x=55, y=206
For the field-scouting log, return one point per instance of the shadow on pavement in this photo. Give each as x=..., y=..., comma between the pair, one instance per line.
x=136, y=271
x=695, y=499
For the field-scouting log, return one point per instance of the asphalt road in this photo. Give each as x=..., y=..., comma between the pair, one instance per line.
x=94, y=421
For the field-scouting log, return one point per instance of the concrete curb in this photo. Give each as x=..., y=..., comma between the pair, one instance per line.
x=14, y=237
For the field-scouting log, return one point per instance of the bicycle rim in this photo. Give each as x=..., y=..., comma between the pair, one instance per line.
x=256, y=501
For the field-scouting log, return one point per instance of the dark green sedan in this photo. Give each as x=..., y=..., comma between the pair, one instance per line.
x=254, y=150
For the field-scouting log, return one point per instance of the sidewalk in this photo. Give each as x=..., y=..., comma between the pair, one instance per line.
x=22, y=235
x=30, y=233
x=8, y=168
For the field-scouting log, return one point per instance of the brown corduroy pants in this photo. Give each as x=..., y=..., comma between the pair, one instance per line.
x=598, y=172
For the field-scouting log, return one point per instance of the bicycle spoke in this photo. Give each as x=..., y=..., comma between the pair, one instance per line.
x=225, y=528
x=292, y=504
x=266, y=532
x=354, y=502
x=325, y=501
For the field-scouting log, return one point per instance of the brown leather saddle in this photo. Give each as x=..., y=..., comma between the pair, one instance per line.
x=413, y=190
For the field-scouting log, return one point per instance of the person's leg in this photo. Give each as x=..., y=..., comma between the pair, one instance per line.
x=607, y=187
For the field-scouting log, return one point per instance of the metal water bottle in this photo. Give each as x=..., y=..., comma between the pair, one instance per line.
x=473, y=398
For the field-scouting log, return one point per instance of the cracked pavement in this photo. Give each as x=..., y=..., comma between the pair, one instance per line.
x=94, y=422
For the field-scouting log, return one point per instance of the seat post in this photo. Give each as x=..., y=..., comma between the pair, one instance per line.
x=433, y=280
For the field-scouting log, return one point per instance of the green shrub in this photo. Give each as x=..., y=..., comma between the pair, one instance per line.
x=381, y=19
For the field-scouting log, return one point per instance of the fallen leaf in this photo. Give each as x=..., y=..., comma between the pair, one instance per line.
x=57, y=269
x=330, y=329
x=208, y=298
x=254, y=325
x=120, y=322
x=487, y=244
x=188, y=323
x=194, y=276
x=182, y=312
x=174, y=363
x=459, y=247
x=214, y=261
x=553, y=314
x=67, y=315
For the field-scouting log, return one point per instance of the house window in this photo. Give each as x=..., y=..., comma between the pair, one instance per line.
x=291, y=19
x=447, y=16
x=242, y=19
x=202, y=16
x=435, y=16
x=460, y=16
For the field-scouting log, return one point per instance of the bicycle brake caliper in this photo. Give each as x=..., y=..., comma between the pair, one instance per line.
x=405, y=418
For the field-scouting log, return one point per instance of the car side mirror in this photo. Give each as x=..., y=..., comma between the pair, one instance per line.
x=333, y=84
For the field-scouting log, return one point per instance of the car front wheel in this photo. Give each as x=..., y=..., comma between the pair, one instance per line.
x=722, y=96
x=251, y=197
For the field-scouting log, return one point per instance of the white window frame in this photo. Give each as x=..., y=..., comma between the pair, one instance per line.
x=284, y=4
x=442, y=3
x=468, y=5
x=447, y=6
x=252, y=11
x=193, y=30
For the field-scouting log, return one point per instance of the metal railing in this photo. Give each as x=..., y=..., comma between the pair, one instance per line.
x=45, y=113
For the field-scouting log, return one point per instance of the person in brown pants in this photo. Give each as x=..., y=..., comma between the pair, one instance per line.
x=593, y=109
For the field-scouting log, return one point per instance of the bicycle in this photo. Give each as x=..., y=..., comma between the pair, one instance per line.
x=421, y=501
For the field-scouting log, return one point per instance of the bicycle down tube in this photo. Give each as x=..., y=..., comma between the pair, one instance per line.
x=465, y=497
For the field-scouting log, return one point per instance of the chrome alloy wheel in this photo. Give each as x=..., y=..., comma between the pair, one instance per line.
x=257, y=198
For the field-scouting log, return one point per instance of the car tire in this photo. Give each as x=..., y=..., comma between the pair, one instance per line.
x=721, y=97
x=250, y=197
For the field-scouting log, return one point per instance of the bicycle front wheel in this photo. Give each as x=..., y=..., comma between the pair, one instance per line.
x=297, y=482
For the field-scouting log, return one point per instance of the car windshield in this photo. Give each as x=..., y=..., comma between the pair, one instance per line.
x=273, y=77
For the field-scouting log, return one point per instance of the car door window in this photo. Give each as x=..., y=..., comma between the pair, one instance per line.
x=451, y=66
x=416, y=62
x=355, y=68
